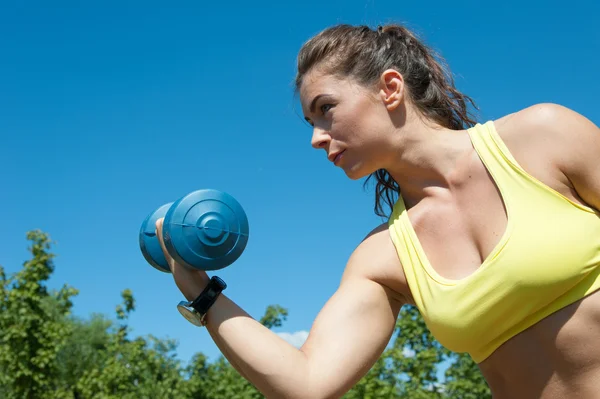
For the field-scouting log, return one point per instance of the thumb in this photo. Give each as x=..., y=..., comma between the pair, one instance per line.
x=159, y=235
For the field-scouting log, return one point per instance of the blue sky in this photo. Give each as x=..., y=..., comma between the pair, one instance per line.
x=111, y=109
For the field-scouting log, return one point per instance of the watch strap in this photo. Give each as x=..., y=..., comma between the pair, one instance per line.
x=208, y=296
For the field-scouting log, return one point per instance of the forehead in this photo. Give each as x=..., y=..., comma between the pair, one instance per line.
x=315, y=83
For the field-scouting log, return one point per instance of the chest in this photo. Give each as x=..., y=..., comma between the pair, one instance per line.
x=460, y=231
x=500, y=257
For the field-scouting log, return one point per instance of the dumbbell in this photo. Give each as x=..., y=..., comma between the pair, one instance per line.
x=206, y=230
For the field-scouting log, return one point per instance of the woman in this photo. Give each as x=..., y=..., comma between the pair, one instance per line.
x=494, y=236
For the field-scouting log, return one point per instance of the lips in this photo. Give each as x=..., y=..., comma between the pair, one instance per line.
x=335, y=156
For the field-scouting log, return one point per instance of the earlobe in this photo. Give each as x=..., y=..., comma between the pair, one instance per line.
x=392, y=88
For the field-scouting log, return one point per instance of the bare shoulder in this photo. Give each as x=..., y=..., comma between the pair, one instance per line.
x=552, y=142
x=552, y=121
x=376, y=259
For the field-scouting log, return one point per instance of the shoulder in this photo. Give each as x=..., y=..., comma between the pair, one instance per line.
x=551, y=122
x=376, y=259
x=534, y=140
x=553, y=139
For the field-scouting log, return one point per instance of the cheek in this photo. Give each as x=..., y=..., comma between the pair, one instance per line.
x=359, y=125
x=367, y=122
x=369, y=146
x=367, y=135
x=353, y=129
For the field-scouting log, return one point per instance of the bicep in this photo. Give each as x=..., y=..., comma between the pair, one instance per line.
x=349, y=335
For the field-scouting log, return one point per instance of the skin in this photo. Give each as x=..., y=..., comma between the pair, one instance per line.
x=458, y=216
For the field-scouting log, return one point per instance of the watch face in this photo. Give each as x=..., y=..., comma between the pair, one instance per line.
x=189, y=314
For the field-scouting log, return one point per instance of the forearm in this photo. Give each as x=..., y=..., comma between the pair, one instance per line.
x=345, y=340
x=273, y=366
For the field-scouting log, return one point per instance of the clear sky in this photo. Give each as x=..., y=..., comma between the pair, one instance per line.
x=110, y=109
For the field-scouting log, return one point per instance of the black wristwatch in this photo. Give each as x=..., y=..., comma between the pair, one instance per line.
x=195, y=311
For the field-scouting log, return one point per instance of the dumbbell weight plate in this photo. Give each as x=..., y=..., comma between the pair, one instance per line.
x=149, y=243
x=206, y=229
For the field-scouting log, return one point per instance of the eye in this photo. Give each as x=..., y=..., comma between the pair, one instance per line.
x=325, y=107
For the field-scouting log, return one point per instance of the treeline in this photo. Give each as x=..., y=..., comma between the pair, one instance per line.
x=47, y=352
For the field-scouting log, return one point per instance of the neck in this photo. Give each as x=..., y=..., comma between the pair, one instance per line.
x=426, y=158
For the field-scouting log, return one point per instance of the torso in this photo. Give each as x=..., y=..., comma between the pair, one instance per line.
x=558, y=357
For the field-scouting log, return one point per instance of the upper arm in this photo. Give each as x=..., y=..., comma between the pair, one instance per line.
x=580, y=139
x=352, y=330
x=573, y=143
x=582, y=166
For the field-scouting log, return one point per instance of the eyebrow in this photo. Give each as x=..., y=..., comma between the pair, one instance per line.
x=314, y=101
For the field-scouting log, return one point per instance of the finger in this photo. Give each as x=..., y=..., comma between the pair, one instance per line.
x=159, y=230
x=189, y=282
x=159, y=224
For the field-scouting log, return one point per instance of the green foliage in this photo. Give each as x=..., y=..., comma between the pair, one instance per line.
x=45, y=352
x=32, y=329
x=217, y=380
x=465, y=381
x=274, y=316
x=85, y=348
x=420, y=370
x=126, y=368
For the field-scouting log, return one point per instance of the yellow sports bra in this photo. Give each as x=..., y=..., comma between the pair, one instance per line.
x=548, y=258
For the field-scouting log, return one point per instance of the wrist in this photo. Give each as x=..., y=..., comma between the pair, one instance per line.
x=195, y=311
x=195, y=286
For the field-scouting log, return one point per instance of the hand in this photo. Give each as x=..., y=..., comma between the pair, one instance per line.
x=190, y=282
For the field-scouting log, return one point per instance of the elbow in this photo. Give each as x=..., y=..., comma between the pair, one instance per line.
x=289, y=380
x=298, y=380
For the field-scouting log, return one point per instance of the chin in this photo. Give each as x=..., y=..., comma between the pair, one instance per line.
x=355, y=174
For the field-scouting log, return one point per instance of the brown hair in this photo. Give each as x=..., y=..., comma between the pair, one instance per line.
x=363, y=54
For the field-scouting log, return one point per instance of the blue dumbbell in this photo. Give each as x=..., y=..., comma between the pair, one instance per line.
x=206, y=230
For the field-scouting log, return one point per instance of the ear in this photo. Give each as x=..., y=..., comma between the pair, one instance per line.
x=391, y=88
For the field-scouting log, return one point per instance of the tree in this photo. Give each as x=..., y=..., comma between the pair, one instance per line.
x=465, y=381
x=83, y=350
x=32, y=333
x=144, y=367
x=274, y=316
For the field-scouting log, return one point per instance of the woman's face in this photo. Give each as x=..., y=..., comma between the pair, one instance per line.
x=350, y=122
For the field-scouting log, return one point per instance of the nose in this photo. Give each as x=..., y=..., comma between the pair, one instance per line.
x=319, y=138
